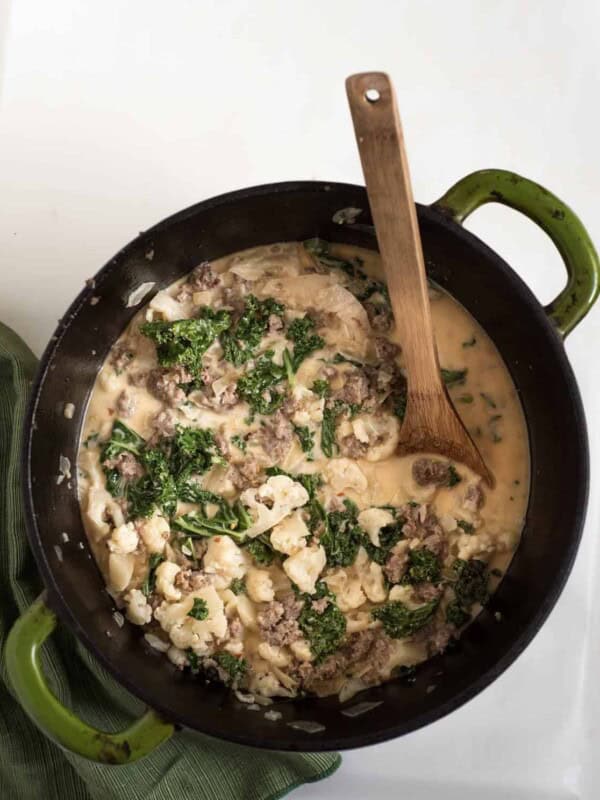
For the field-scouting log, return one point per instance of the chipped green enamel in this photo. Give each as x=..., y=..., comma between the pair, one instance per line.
x=55, y=720
x=554, y=217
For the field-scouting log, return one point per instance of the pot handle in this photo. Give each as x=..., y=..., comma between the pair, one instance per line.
x=57, y=722
x=553, y=216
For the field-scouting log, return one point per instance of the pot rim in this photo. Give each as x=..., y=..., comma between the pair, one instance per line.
x=69, y=617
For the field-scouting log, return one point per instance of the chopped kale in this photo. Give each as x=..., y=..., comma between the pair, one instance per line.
x=157, y=488
x=258, y=387
x=321, y=387
x=324, y=631
x=464, y=398
x=471, y=582
x=399, y=401
x=399, y=621
x=340, y=359
x=150, y=579
x=91, y=439
x=239, y=442
x=466, y=526
x=184, y=341
x=306, y=438
x=456, y=615
x=192, y=451
x=493, y=426
x=423, y=566
x=342, y=536
x=187, y=548
x=234, y=667
x=488, y=399
x=199, y=610
x=302, y=333
x=122, y=440
x=261, y=550
x=238, y=586
x=228, y=521
x=328, y=428
x=193, y=660
x=389, y=536
x=407, y=675
x=362, y=286
x=240, y=341
x=454, y=377
x=453, y=476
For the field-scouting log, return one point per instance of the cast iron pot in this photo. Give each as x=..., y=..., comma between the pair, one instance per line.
x=530, y=339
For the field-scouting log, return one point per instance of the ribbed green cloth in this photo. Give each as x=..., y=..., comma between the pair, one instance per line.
x=189, y=765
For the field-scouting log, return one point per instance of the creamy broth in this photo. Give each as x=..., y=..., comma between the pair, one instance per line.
x=326, y=590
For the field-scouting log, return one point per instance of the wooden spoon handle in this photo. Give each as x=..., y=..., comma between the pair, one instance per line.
x=385, y=167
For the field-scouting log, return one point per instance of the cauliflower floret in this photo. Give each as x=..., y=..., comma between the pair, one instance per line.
x=371, y=577
x=283, y=496
x=266, y=684
x=138, y=610
x=348, y=590
x=177, y=657
x=98, y=499
x=120, y=570
x=290, y=535
x=343, y=473
x=225, y=559
x=305, y=566
x=301, y=650
x=165, y=577
x=372, y=520
x=186, y=631
x=123, y=539
x=274, y=655
x=380, y=432
x=259, y=585
x=236, y=648
x=154, y=532
x=163, y=306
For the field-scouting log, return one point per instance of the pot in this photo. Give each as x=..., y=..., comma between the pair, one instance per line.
x=529, y=338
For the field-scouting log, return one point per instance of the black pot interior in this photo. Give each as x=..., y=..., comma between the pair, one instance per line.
x=499, y=301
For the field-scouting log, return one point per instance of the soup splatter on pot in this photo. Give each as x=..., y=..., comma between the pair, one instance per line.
x=241, y=491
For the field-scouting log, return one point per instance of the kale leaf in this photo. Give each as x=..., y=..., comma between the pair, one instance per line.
x=471, y=584
x=199, y=610
x=324, y=631
x=423, y=567
x=157, y=488
x=234, y=667
x=306, y=438
x=150, y=579
x=228, y=521
x=342, y=536
x=328, y=428
x=238, y=586
x=454, y=377
x=240, y=342
x=321, y=387
x=389, y=536
x=261, y=550
x=302, y=333
x=399, y=621
x=258, y=386
x=184, y=341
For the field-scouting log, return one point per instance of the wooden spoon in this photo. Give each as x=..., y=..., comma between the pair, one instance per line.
x=431, y=425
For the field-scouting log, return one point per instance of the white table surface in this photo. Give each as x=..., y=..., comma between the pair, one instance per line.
x=116, y=114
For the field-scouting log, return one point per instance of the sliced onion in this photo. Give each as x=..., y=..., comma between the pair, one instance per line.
x=361, y=708
x=138, y=294
x=307, y=726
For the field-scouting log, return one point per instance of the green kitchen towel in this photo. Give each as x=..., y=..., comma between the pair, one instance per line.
x=31, y=768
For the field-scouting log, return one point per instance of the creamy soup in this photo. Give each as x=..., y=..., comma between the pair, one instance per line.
x=241, y=488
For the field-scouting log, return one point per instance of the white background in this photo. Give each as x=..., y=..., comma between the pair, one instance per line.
x=116, y=114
